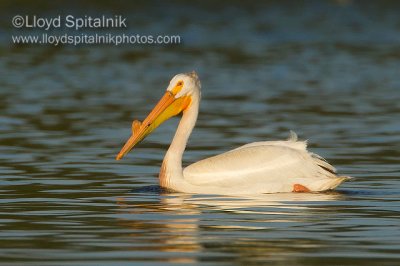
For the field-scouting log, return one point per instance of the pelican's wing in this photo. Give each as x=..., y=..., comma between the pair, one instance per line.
x=270, y=165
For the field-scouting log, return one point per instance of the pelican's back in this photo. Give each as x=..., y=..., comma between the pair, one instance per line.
x=265, y=167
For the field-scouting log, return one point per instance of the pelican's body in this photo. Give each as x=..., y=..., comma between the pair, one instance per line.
x=259, y=167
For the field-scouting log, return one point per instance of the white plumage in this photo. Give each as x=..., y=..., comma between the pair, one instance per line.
x=264, y=167
x=254, y=168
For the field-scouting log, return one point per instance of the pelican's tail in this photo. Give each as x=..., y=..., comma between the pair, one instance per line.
x=335, y=182
x=346, y=178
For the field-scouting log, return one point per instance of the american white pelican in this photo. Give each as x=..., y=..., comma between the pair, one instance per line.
x=259, y=167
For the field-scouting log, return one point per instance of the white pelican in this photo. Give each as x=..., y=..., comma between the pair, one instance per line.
x=259, y=167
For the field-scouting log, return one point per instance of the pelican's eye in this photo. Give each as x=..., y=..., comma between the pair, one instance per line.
x=177, y=87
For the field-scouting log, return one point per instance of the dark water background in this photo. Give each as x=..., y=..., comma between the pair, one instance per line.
x=329, y=70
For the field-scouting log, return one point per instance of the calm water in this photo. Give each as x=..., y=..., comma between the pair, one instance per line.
x=326, y=70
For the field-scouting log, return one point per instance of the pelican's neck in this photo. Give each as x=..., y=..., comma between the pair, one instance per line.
x=171, y=170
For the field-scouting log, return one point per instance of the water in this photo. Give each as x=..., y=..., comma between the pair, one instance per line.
x=327, y=70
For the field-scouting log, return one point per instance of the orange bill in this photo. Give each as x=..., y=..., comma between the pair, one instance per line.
x=167, y=107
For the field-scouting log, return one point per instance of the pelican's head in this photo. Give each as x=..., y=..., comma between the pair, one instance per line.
x=177, y=98
x=184, y=84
